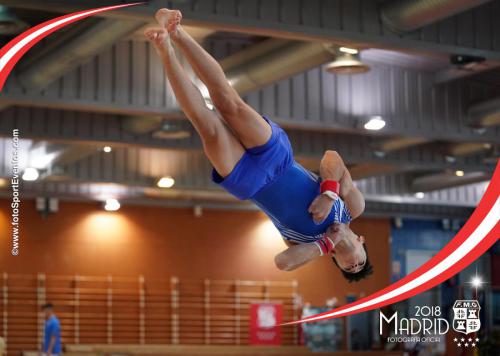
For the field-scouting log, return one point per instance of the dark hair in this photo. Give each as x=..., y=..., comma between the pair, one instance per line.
x=47, y=305
x=355, y=277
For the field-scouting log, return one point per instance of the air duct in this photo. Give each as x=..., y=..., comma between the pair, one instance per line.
x=365, y=170
x=73, y=153
x=190, y=195
x=485, y=114
x=141, y=125
x=66, y=155
x=399, y=143
x=465, y=148
x=158, y=127
x=257, y=50
x=408, y=15
x=270, y=62
x=173, y=130
x=52, y=158
x=81, y=48
x=438, y=181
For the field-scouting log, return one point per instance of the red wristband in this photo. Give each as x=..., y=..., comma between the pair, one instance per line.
x=330, y=185
x=326, y=245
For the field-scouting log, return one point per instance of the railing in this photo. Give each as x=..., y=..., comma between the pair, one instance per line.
x=125, y=310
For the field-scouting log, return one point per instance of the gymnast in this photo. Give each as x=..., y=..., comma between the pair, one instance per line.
x=253, y=159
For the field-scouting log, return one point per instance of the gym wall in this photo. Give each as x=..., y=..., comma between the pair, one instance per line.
x=162, y=242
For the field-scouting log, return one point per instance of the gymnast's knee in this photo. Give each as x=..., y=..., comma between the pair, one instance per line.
x=228, y=104
x=214, y=135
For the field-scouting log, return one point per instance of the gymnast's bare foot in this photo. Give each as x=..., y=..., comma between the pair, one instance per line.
x=159, y=38
x=169, y=19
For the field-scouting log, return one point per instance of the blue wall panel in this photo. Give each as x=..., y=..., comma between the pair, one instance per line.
x=416, y=235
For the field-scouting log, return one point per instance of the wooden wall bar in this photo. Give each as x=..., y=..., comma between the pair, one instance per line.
x=137, y=310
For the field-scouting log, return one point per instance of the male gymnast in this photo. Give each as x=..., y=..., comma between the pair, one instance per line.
x=253, y=159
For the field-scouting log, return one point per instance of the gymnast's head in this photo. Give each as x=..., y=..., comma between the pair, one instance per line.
x=350, y=254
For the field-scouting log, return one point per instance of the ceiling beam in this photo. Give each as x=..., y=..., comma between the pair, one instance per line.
x=410, y=15
x=72, y=153
x=59, y=57
x=130, y=80
x=464, y=149
x=92, y=128
x=398, y=143
x=357, y=24
x=220, y=200
x=444, y=180
x=365, y=170
x=485, y=114
x=467, y=71
x=373, y=208
x=254, y=68
x=64, y=154
x=358, y=171
x=288, y=102
x=97, y=106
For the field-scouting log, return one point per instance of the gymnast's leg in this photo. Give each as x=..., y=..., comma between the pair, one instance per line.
x=250, y=128
x=221, y=146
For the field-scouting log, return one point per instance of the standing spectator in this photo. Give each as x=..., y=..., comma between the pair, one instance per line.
x=52, y=334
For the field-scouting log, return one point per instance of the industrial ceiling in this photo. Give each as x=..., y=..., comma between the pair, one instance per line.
x=434, y=79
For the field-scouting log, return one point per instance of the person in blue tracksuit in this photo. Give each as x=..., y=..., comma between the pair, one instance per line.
x=52, y=332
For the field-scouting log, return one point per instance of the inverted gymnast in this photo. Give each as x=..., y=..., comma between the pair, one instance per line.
x=253, y=159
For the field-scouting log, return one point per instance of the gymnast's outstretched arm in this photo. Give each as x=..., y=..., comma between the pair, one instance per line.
x=332, y=167
x=296, y=255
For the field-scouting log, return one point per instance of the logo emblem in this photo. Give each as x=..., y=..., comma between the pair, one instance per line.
x=466, y=316
x=266, y=316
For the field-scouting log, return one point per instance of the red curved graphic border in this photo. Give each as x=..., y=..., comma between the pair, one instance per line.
x=488, y=202
x=66, y=20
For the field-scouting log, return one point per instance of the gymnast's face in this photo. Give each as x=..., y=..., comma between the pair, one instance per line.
x=349, y=252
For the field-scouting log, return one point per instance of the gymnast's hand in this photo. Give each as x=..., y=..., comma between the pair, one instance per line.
x=320, y=208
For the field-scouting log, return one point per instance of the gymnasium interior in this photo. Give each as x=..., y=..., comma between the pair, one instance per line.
x=123, y=230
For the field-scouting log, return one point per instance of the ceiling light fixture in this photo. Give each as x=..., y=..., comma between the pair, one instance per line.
x=450, y=159
x=419, y=195
x=459, y=173
x=375, y=123
x=379, y=153
x=172, y=130
x=166, y=182
x=30, y=174
x=107, y=149
x=348, y=50
x=112, y=205
x=346, y=61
